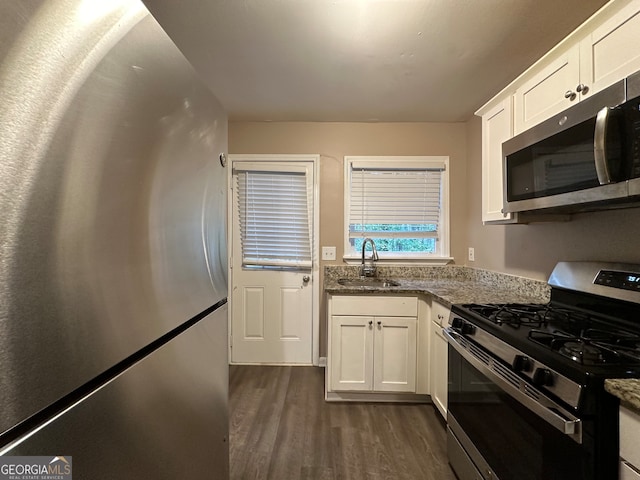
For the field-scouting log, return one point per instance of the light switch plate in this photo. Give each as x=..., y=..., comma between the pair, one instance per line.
x=472, y=254
x=328, y=253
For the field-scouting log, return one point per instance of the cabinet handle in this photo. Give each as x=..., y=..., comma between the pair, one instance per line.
x=440, y=317
x=570, y=94
x=379, y=323
x=370, y=322
x=582, y=88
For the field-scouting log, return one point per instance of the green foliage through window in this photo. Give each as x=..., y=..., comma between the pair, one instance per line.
x=395, y=237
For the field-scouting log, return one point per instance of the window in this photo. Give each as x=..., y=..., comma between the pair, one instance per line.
x=275, y=215
x=399, y=202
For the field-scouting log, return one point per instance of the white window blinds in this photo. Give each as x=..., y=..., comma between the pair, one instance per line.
x=383, y=197
x=275, y=217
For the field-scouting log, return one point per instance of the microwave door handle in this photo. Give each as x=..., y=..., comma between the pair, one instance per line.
x=600, y=147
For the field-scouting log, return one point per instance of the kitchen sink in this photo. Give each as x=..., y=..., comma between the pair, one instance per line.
x=367, y=282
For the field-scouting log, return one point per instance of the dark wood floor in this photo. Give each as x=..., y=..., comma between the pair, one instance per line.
x=282, y=429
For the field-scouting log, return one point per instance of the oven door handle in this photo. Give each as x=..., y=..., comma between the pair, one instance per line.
x=527, y=395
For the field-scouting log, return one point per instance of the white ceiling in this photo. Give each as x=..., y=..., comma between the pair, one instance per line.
x=364, y=60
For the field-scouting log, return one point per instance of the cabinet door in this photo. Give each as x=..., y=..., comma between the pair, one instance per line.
x=543, y=95
x=611, y=52
x=628, y=472
x=395, y=354
x=497, y=126
x=351, y=353
x=630, y=435
x=439, y=370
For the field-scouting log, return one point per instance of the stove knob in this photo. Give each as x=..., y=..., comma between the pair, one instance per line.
x=543, y=377
x=457, y=323
x=468, y=329
x=521, y=363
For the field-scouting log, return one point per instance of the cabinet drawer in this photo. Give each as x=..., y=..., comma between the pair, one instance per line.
x=440, y=314
x=629, y=436
x=374, y=305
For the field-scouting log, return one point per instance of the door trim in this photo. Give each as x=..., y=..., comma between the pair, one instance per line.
x=315, y=269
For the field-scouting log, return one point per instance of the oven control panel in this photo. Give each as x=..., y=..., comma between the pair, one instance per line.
x=617, y=279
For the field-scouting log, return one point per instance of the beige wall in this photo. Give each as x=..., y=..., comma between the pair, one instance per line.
x=533, y=250
x=335, y=140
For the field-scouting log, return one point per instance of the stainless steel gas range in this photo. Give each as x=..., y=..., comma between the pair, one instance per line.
x=526, y=382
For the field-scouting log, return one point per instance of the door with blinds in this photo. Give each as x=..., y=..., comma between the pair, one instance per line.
x=272, y=262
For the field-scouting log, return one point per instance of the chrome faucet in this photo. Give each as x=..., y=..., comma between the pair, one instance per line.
x=369, y=270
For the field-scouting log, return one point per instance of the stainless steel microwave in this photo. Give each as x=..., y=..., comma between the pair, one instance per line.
x=585, y=158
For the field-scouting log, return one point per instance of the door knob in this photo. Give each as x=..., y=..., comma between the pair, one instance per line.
x=306, y=279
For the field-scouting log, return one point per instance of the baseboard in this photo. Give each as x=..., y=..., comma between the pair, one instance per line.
x=376, y=397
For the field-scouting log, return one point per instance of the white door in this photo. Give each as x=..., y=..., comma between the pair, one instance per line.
x=272, y=262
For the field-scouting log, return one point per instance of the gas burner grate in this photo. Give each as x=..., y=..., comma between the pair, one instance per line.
x=513, y=315
x=573, y=333
x=592, y=347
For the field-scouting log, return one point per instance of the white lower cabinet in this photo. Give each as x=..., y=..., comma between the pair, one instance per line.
x=373, y=354
x=628, y=472
x=439, y=357
x=372, y=344
x=629, y=440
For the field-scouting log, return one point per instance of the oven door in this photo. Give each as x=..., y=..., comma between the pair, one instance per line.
x=494, y=435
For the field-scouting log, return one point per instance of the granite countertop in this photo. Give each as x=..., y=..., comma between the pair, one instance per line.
x=448, y=285
x=626, y=389
x=456, y=284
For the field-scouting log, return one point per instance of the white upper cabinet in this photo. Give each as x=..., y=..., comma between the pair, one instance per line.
x=610, y=52
x=602, y=51
x=497, y=127
x=548, y=92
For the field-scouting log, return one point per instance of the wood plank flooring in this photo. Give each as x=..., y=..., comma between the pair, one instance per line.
x=282, y=429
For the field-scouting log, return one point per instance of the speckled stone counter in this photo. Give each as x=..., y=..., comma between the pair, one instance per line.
x=449, y=285
x=626, y=389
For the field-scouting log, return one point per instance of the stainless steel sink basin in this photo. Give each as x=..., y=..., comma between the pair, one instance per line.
x=367, y=282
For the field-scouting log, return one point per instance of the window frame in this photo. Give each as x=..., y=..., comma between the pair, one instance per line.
x=442, y=257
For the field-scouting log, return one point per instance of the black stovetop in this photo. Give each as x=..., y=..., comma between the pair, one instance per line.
x=576, y=341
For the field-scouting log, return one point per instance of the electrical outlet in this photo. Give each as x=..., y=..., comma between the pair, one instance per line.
x=328, y=253
x=472, y=254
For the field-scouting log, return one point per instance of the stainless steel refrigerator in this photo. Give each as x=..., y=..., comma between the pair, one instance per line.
x=113, y=262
